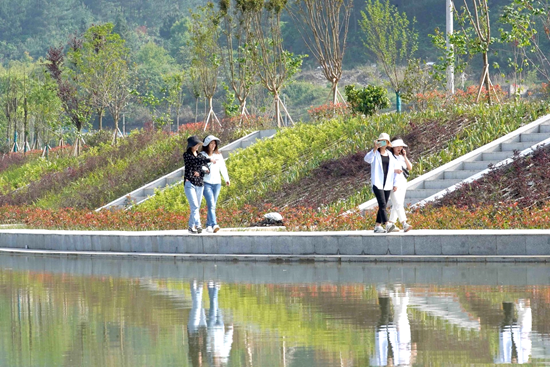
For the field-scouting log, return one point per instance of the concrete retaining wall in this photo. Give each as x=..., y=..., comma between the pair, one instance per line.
x=422, y=245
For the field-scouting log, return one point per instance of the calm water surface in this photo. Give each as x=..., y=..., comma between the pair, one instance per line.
x=70, y=312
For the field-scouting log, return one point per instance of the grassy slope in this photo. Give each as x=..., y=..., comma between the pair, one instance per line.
x=319, y=164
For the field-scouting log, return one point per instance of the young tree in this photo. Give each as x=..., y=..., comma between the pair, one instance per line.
x=473, y=39
x=324, y=27
x=75, y=98
x=391, y=38
x=105, y=68
x=528, y=20
x=240, y=66
x=173, y=91
x=206, y=53
x=276, y=66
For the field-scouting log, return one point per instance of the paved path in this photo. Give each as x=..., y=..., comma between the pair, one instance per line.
x=352, y=246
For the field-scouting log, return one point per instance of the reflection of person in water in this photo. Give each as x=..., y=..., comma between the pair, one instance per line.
x=515, y=335
x=208, y=337
x=393, y=334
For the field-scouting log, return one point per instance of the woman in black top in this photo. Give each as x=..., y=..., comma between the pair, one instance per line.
x=195, y=168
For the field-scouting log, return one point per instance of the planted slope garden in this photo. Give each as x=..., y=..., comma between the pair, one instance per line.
x=102, y=173
x=315, y=165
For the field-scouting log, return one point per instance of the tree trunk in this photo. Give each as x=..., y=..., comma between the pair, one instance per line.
x=278, y=110
x=487, y=79
x=100, y=115
x=397, y=101
x=334, y=91
x=196, y=109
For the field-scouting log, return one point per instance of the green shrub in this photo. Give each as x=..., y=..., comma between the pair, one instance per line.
x=367, y=100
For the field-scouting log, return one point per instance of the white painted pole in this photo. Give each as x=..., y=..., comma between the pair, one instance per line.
x=449, y=31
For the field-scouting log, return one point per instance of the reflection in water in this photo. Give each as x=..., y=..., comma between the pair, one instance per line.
x=393, y=345
x=218, y=340
x=88, y=313
x=515, y=334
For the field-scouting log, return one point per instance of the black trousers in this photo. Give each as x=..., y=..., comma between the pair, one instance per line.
x=382, y=196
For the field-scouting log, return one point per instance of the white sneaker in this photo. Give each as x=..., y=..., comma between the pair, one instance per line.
x=407, y=227
x=209, y=229
x=390, y=227
x=216, y=228
x=396, y=229
x=379, y=229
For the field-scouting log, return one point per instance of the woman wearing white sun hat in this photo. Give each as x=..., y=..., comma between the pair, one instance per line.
x=212, y=180
x=383, y=178
x=398, y=196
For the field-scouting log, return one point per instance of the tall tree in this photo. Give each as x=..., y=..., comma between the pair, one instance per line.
x=75, y=98
x=276, y=66
x=391, y=38
x=206, y=53
x=324, y=26
x=240, y=66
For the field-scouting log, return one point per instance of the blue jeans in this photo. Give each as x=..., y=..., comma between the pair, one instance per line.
x=194, y=197
x=211, y=193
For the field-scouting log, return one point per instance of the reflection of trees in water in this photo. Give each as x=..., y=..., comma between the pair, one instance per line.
x=116, y=321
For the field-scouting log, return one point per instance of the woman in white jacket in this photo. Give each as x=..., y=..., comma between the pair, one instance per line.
x=398, y=197
x=212, y=180
x=383, y=178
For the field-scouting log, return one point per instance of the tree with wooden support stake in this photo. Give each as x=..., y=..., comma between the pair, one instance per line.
x=206, y=53
x=392, y=39
x=474, y=38
x=276, y=66
x=324, y=27
x=237, y=16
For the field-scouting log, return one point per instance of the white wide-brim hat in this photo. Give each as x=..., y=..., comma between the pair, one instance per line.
x=208, y=139
x=399, y=143
x=386, y=137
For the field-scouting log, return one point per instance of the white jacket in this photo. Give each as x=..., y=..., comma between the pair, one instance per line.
x=216, y=169
x=374, y=158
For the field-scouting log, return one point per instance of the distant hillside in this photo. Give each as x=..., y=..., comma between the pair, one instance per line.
x=32, y=26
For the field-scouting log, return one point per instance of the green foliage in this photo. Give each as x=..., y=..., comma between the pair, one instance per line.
x=367, y=100
x=389, y=35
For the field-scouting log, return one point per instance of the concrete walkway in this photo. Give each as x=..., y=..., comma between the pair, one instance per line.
x=352, y=246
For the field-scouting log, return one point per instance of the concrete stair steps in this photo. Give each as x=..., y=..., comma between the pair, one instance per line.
x=534, y=137
x=495, y=156
x=441, y=183
x=173, y=180
x=149, y=192
x=479, y=165
x=461, y=174
x=422, y=193
x=510, y=147
x=544, y=129
x=137, y=199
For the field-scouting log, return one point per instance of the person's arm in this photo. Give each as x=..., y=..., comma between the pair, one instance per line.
x=407, y=162
x=369, y=158
x=223, y=171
